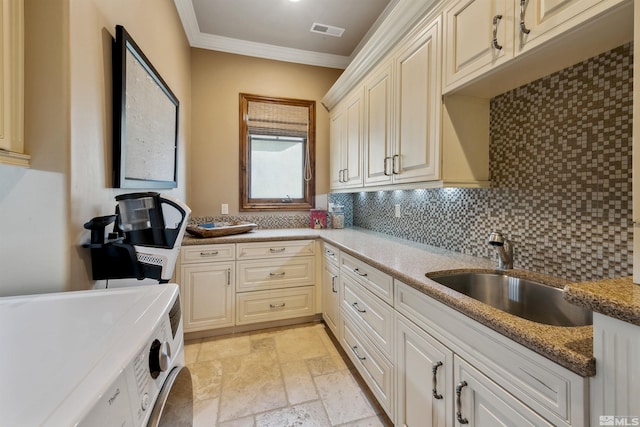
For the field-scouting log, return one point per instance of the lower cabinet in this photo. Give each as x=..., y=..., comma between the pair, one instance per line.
x=232, y=284
x=482, y=403
x=207, y=293
x=424, y=378
x=331, y=288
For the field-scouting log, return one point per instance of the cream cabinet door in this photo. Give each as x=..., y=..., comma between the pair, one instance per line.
x=424, y=378
x=338, y=121
x=12, y=83
x=482, y=403
x=539, y=20
x=208, y=292
x=478, y=36
x=418, y=108
x=377, y=140
x=346, y=142
x=331, y=296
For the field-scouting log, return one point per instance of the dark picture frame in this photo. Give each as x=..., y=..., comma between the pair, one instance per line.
x=145, y=120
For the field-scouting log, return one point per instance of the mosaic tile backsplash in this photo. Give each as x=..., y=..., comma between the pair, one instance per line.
x=560, y=162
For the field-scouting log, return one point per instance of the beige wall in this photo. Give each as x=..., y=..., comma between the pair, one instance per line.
x=156, y=28
x=217, y=79
x=68, y=133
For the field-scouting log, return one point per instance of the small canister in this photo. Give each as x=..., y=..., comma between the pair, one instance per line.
x=337, y=217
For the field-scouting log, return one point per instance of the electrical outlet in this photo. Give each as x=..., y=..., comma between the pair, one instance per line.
x=398, y=213
x=224, y=209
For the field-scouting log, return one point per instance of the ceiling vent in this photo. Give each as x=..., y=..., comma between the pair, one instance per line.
x=327, y=29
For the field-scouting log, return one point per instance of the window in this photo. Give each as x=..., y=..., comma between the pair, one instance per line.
x=277, y=153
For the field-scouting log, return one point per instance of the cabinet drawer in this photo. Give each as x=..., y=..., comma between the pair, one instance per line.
x=372, y=279
x=207, y=253
x=373, y=316
x=330, y=253
x=374, y=367
x=261, y=306
x=279, y=249
x=275, y=274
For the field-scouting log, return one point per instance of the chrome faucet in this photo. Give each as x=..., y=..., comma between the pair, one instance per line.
x=504, y=249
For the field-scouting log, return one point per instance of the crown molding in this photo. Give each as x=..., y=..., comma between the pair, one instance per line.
x=242, y=47
x=404, y=16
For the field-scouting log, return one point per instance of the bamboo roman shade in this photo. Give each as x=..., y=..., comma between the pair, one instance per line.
x=264, y=118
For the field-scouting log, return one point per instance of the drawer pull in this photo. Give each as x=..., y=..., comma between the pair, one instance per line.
x=228, y=277
x=277, y=274
x=277, y=250
x=329, y=253
x=333, y=284
x=212, y=253
x=277, y=305
x=355, y=270
x=434, y=370
x=355, y=305
x=459, y=388
x=355, y=351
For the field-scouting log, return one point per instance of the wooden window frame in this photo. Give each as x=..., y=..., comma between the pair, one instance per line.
x=251, y=205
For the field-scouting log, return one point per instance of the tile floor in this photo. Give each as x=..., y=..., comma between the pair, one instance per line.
x=278, y=378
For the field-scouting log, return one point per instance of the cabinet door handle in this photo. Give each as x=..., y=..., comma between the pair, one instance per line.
x=228, y=276
x=434, y=370
x=277, y=305
x=345, y=175
x=355, y=270
x=355, y=305
x=212, y=253
x=459, y=403
x=281, y=274
x=277, y=250
x=340, y=173
x=395, y=169
x=523, y=25
x=494, y=42
x=333, y=284
x=355, y=351
x=385, y=166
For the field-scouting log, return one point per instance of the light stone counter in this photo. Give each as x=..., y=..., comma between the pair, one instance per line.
x=618, y=298
x=409, y=262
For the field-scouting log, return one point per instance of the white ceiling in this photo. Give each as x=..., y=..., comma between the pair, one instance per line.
x=280, y=29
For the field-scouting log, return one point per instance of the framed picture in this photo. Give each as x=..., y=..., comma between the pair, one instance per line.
x=145, y=120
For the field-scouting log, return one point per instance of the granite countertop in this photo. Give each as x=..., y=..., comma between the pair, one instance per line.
x=409, y=262
x=618, y=298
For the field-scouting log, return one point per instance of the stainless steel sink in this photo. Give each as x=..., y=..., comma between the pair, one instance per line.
x=521, y=297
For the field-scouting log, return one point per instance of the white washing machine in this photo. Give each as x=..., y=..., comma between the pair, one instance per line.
x=111, y=357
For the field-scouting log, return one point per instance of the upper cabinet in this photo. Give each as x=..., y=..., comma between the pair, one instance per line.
x=402, y=113
x=479, y=36
x=12, y=87
x=416, y=155
x=482, y=36
x=407, y=134
x=346, y=142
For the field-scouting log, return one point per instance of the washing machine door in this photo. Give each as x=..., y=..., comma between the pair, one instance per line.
x=174, y=406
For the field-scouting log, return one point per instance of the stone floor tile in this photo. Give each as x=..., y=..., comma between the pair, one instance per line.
x=222, y=348
x=300, y=343
x=240, y=422
x=309, y=414
x=369, y=422
x=191, y=350
x=205, y=413
x=298, y=382
x=207, y=379
x=251, y=384
x=342, y=397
